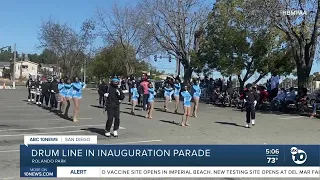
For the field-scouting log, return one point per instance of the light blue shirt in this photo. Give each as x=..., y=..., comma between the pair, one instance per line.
x=62, y=89
x=186, y=98
x=151, y=95
x=177, y=88
x=196, y=90
x=167, y=91
x=134, y=93
x=77, y=88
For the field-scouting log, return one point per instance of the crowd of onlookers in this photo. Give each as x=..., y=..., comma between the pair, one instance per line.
x=220, y=91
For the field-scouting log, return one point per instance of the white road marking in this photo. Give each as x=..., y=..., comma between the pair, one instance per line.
x=292, y=117
x=24, y=107
x=23, y=114
x=134, y=142
x=12, y=135
x=20, y=109
x=39, y=119
x=89, y=125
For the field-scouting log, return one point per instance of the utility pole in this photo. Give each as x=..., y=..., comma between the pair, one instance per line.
x=84, y=70
x=14, y=67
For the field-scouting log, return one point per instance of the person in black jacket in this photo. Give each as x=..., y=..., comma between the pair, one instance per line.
x=114, y=96
x=31, y=86
x=251, y=97
x=102, y=89
x=45, y=93
x=54, y=91
x=38, y=91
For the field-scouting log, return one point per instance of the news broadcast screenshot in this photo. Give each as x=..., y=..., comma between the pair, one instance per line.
x=159, y=89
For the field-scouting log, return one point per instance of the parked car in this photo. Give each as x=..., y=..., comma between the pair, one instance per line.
x=312, y=96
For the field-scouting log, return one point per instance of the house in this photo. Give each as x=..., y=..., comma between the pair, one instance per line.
x=49, y=70
x=25, y=68
x=4, y=66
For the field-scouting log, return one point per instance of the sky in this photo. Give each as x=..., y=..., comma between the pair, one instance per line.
x=20, y=21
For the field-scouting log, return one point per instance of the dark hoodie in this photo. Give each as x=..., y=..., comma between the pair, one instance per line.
x=114, y=99
x=54, y=86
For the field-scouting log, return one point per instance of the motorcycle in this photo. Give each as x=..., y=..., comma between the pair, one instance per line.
x=302, y=105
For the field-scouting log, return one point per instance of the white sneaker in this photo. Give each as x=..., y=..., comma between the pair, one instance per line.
x=247, y=125
x=32, y=100
x=252, y=122
x=39, y=103
x=108, y=134
x=115, y=133
x=29, y=100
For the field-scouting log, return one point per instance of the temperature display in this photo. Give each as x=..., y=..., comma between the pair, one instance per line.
x=272, y=160
x=272, y=155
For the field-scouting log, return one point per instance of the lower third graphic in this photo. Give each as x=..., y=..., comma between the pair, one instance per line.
x=299, y=156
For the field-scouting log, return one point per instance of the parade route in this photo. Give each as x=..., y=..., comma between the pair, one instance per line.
x=214, y=125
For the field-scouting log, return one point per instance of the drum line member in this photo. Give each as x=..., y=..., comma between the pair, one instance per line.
x=186, y=105
x=62, y=94
x=251, y=98
x=77, y=87
x=54, y=91
x=172, y=86
x=68, y=89
x=38, y=92
x=150, y=101
x=134, y=97
x=101, y=91
x=196, y=96
x=167, y=93
x=45, y=94
x=29, y=85
x=177, y=88
x=114, y=96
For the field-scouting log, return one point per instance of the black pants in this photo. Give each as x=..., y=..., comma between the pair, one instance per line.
x=38, y=98
x=145, y=101
x=129, y=95
x=45, y=97
x=30, y=95
x=250, y=112
x=273, y=93
x=113, y=114
x=53, y=100
x=101, y=99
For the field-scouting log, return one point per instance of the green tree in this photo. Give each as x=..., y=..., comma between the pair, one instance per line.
x=234, y=48
x=299, y=27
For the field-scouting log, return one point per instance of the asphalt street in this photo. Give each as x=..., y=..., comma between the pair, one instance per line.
x=214, y=125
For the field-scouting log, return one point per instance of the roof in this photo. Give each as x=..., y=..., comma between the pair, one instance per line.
x=47, y=65
x=3, y=64
x=27, y=62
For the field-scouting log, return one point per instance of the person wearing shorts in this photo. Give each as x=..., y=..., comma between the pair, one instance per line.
x=76, y=87
x=177, y=88
x=150, y=101
x=186, y=106
x=134, y=97
x=167, y=94
x=68, y=97
x=62, y=95
x=196, y=96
